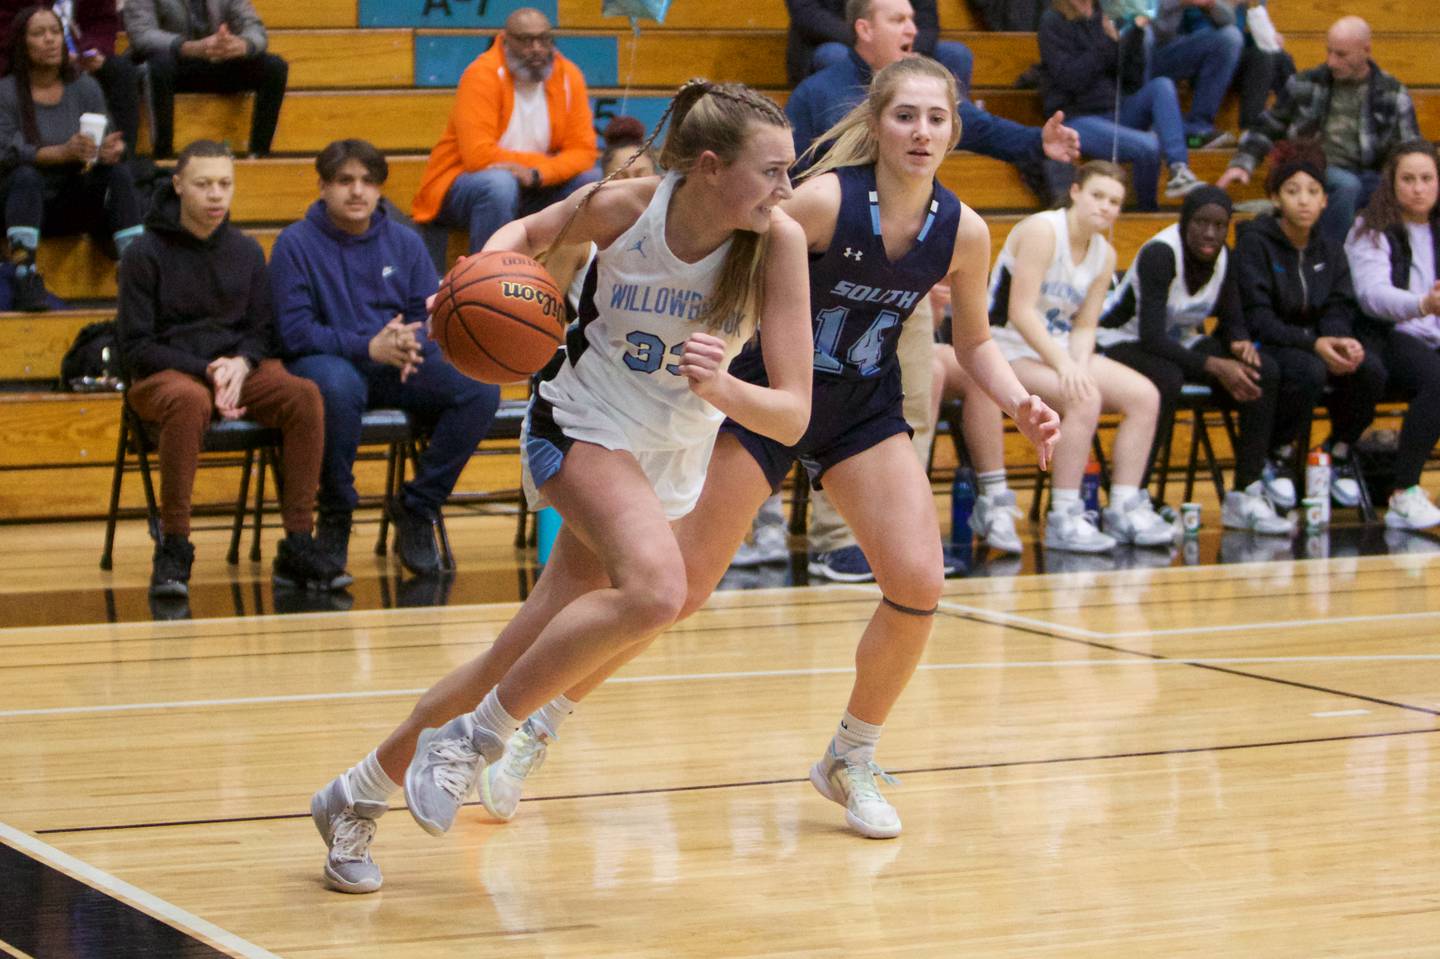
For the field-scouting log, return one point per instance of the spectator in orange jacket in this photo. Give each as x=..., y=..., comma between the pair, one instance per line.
x=520, y=137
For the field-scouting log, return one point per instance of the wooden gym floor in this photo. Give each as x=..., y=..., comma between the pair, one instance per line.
x=1195, y=760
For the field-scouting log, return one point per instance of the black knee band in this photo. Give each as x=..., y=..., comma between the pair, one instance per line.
x=908, y=610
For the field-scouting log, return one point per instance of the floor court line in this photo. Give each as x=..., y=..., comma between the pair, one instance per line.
x=1274, y=624
x=9, y=950
x=721, y=676
x=748, y=784
x=119, y=889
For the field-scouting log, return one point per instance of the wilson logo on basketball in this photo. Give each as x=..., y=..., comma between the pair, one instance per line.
x=549, y=304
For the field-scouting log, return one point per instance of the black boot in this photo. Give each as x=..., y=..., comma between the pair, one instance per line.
x=415, y=534
x=30, y=293
x=332, y=537
x=170, y=571
x=301, y=564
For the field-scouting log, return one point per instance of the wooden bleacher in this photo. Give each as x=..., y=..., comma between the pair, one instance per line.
x=377, y=69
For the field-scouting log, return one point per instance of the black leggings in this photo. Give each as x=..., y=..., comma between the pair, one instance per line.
x=65, y=199
x=1303, y=378
x=1257, y=418
x=1414, y=373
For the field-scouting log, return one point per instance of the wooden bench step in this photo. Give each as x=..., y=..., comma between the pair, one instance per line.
x=568, y=14
x=1384, y=16
x=32, y=344
x=74, y=269
x=280, y=190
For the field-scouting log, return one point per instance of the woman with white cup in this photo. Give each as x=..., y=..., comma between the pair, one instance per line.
x=61, y=173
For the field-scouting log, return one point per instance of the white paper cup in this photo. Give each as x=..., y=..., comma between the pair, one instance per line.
x=92, y=125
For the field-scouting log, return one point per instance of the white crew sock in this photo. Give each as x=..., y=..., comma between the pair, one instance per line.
x=549, y=717
x=1120, y=496
x=855, y=739
x=492, y=716
x=992, y=483
x=1061, y=499
x=368, y=782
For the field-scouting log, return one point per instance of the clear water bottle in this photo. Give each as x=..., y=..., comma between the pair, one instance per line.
x=1090, y=487
x=962, y=504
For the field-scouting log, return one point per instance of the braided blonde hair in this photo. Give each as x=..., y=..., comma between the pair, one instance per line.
x=715, y=117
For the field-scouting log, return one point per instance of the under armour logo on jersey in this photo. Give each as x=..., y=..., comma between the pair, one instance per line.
x=852, y=254
x=386, y=271
x=638, y=246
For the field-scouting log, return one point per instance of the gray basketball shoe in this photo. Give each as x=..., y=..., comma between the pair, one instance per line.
x=447, y=762
x=851, y=783
x=347, y=828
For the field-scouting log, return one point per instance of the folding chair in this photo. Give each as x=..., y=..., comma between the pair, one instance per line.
x=223, y=436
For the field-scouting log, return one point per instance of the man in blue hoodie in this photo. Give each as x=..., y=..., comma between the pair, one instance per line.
x=350, y=286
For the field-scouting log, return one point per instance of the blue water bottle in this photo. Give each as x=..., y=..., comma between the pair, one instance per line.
x=547, y=527
x=1090, y=488
x=962, y=504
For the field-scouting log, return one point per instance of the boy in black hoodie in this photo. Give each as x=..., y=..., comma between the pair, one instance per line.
x=196, y=329
x=1299, y=304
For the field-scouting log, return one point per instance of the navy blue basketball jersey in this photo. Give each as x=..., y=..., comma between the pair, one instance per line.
x=858, y=298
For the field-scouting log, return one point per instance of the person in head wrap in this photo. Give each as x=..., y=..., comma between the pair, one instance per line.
x=1154, y=322
x=1299, y=305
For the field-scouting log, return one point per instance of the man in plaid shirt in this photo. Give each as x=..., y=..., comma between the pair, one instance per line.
x=1353, y=109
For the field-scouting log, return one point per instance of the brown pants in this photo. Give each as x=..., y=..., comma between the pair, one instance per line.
x=183, y=406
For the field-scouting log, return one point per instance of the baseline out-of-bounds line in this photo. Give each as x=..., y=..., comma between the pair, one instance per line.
x=167, y=912
x=730, y=675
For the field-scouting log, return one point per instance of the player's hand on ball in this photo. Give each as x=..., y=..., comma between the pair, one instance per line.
x=702, y=361
x=1040, y=425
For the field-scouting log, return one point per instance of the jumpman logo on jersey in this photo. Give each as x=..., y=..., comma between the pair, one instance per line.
x=638, y=246
x=852, y=254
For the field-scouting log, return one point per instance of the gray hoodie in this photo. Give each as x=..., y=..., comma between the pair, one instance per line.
x=155, y=26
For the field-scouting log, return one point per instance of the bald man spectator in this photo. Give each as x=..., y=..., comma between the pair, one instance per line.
x=520, y=137
x=1357, y=111
x=208, y=46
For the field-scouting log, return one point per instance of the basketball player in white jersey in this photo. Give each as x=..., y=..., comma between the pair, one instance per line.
x=1046, y=291
x=617, y=438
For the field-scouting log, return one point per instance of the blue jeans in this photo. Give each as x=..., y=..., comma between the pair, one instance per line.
x=456, y=408
x=955, y=56
x=484, y=201
x=1016, y=144
x=1154, y=107
x=1207, y=58
x=1347, y=192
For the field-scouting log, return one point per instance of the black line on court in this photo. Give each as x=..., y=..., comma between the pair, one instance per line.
x=51, y=915
x=1157, y=657
x=711, y=787
x=1174, y=600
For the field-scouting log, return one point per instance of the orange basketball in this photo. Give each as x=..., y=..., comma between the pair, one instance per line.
x=498, y=317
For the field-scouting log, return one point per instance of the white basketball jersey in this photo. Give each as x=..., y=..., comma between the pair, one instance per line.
x=633, y=324
x=1065, y=284
x=1185, y=312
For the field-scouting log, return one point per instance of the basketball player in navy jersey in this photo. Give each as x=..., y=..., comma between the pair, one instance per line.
x=881, y=231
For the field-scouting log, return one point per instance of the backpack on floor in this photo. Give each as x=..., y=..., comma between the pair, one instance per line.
x=92, y=364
